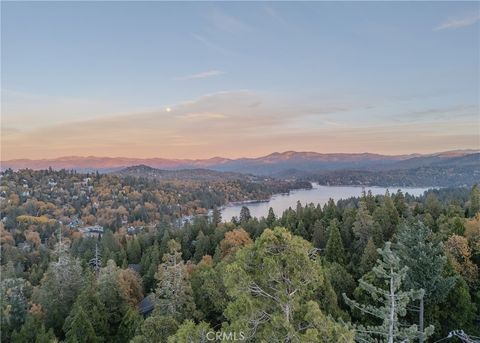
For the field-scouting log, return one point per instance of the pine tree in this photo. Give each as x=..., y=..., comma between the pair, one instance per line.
x=174, y=296
x=33, y=331
x=129, y=325
x=386, y=215
x=474, y=207
x=134, y=251
x=14, y=305
x=426, y=263
x=189, y=332
x=300, y=230
x=78, y=327
x=271, y=218
x=149, y=265
x=216, y=217
x=112, y=297
x=335, y=251
x=245, y=215
x=329, y=211
x=364, y=227
x=202, y=246
x=89, y=301
x=369, y=257
x=273, y=282
x=393, y=302
x=400, y=204
x=319, y=238
x=60, y=286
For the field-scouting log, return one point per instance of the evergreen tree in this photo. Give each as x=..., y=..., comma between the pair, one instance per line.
x=329, y=211
x=59, y=289
x=400, y=204
x=458, y=311
x=474, y=206
x=271, y=218
x=209, y=292
x=131, y=322
x=432, y=205
x=216, y=217
x=369, y=257
x=134, y=251
x=149, y=265
x=156, y=329
x=14, y=305
x=174, y=293
x=33, y=331
x=273, y=283
x=89, y=301
x=189, y=332
x=164, y=244
x=393, y=302
x=335, y=251
x=319, y=238
x=78, y=327
x=202, y=246
x=365, y=228
x=386, y=215
x=112, y=297
x=245, y=215
x=426, y=263
x=300, y=230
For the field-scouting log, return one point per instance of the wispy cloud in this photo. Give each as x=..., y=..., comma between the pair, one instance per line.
x=228, y=23
x=202, y=116
x=227, y=122
x=211, y=45
x=441, y=113
x=201, y=75
x=458, y=22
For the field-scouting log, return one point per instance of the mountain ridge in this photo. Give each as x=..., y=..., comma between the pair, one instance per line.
x=268, y=164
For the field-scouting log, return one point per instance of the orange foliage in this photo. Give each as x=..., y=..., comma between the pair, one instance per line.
x=130, y=284
x=459, y=251
x=233, y=241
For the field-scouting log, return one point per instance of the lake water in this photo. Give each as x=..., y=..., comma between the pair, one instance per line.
x=317, y=195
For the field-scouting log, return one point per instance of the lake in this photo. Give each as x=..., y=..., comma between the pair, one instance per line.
x=317, y=195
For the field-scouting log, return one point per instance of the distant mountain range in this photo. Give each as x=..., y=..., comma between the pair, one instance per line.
x=286, y=163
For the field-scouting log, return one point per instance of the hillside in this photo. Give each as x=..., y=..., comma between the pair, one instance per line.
x=182, y=174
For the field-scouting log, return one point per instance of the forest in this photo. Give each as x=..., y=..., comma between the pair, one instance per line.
x=389, y=268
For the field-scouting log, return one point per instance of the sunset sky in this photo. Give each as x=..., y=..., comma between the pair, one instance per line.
x=197, y=80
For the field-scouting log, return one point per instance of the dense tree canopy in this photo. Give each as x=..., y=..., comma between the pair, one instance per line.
x=149, y=277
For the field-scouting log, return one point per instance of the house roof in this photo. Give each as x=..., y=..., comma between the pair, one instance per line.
x=146, y=305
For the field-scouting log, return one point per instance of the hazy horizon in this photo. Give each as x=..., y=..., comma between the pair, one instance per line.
x=196, y=80
x=473, y=150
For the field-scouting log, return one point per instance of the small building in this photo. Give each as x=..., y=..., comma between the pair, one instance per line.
x=135, y=267
x=91, y=231
x=146, y=306
x=132, y=230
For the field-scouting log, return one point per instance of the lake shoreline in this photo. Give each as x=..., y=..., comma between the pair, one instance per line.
x=318, y=194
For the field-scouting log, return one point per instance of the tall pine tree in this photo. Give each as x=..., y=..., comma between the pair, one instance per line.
x=392, y=301
x=335, y=251
x=426, y=263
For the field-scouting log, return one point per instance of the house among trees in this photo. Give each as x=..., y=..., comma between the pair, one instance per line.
x=146, y=306
x=91, y=231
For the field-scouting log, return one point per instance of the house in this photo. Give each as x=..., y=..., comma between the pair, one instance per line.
x=135, y=267
x=146, y=306
x=91, y=231
x=74, y=223
x=132, y=230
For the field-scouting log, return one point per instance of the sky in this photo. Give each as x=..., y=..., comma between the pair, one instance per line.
x=238, y=79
